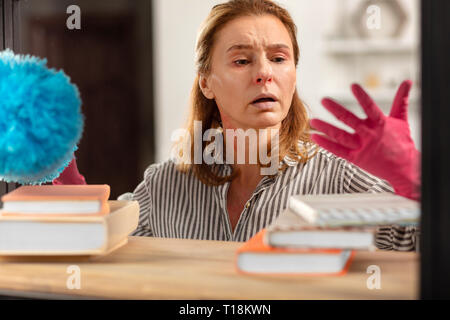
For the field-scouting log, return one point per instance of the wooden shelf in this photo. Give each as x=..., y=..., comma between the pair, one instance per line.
x=369, y=46
x=164, y=268
x=380, y=96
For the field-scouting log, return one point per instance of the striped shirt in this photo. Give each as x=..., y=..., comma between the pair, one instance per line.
x=174, y=204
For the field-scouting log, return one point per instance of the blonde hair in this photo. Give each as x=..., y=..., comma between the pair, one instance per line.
x=294, y=127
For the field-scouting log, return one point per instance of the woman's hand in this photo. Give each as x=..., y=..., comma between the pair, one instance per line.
x=70, y=175
x=381, y=145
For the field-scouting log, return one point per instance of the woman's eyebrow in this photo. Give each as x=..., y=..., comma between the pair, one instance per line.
x=248, y=46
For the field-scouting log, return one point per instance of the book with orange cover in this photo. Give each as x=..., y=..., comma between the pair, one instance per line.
x=256, y=257
x=57, y=200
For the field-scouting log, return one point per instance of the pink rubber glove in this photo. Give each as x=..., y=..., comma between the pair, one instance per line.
x=380, y=145
x=70, y=175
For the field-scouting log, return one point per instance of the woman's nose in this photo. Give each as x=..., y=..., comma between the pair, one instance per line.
x=264, y=73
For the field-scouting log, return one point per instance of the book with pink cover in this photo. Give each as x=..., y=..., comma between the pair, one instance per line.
x=57, y=200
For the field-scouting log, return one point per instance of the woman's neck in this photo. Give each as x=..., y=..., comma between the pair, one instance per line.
x=246, y=149
x=249, y=175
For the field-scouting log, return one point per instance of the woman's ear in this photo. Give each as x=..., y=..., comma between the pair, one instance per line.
x=204, y=86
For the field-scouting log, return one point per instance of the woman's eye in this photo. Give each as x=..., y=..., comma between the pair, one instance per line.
x=239, y=61
x=282, y=59
x=244, y=61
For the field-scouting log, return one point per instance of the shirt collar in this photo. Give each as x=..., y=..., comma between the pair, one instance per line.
x=226, y=169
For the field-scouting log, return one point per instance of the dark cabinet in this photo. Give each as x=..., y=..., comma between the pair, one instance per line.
x=110, y=60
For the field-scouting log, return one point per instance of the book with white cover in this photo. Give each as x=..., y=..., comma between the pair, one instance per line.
x=52, y=207
x=289, y=230
x=334, y=210
x=69, y=235
x=288, y=263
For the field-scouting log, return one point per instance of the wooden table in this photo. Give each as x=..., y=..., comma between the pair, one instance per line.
x=156, y=268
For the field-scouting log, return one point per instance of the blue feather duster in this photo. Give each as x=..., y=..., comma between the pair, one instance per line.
x=40, y=119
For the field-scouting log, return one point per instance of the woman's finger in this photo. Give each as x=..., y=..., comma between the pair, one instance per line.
x=342, y=113
x=399, y=108
x=331, y=146
x=370, y=108
x=342, y=137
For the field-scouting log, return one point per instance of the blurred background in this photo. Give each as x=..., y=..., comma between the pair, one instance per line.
x=133, y=62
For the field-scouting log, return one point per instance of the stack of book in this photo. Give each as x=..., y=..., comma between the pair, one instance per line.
x=64, y=220
x=318, y=234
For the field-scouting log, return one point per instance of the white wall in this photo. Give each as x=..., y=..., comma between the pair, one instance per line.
x=175, y=32
x=176, y=23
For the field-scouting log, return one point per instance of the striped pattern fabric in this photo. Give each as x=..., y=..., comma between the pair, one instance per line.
x=398, y=238
x=178, y=205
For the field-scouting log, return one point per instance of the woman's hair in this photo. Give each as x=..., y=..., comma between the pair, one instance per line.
x=294, y=128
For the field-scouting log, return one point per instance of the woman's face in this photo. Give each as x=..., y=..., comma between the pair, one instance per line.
x=252, y=56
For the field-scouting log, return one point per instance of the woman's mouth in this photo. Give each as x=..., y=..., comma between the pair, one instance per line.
x=264, y=103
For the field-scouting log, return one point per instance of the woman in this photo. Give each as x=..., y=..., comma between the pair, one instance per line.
x=247, y=54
